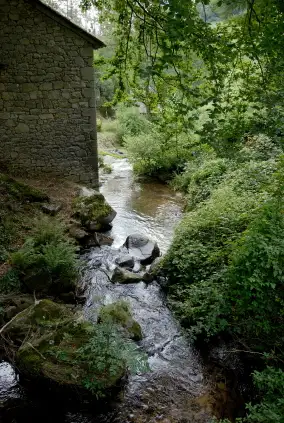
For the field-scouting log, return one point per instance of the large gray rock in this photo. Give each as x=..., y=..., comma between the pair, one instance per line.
x=52, y=208
x=125, y=260
x=142, y=248
x=78, y=233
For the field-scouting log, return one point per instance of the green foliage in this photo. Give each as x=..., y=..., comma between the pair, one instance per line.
x=256, y=278
x=201, y=254
x=200, y=178
x=270, y=383
x=153, y=156
x=99, y=125
x=109, y=125
x=199, y=257
x=47, y=258
x=107, y=356
x=21, y=191
x=119, y=314
x=131, y=123
x=259, y=148
x=7, y=233
x=10, y=282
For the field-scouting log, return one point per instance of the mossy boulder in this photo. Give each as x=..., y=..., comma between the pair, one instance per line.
x=93, y=211
x=119, y=314
x=50, y=338
x=155, y=271
x=124, y=276
x=37, y=319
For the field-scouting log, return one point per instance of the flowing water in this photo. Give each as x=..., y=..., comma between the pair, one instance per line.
x=172, y=390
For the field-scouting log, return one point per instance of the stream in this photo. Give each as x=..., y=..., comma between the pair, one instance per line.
x=175, y=387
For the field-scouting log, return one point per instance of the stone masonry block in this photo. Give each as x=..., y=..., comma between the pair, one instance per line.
x=87, y=73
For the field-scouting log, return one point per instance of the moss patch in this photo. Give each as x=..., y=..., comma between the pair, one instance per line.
x=50, y=340
x=37, y=320
x=21, y=191
x=119, y=314
x=92, y=208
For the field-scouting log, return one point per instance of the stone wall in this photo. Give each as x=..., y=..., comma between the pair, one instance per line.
x=47, y=105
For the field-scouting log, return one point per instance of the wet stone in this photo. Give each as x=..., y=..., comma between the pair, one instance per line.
x=52, y=209
x=78, y=233
x=98, y=240
x=142, y=248
x=125, y=260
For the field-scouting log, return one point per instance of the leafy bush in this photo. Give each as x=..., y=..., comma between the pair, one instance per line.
x=10, y=282
x=152, y=156
x=201, y=253
x=47, y=261
x=199, y=257
x=270, y=383
x=200, y=178
x=259, y=147
x=270, y=408
x=131, y=123
x=109, y=125
x=226, y=267
x=109, y=355
x=256, y=278
x=204, y=239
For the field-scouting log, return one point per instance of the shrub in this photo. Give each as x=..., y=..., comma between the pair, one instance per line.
x=200, y=178
x=198, y=260
x=153, y=156
x=199, y=256
x=109, y=355
x=256, y=279
x=204, y=239
x=259, y=147
x=270, y=384
x=109, y=125
x=10, y=282
x=131, y=123
x=47, y=261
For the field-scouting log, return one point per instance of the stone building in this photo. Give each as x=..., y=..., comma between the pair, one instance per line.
x=47, y=96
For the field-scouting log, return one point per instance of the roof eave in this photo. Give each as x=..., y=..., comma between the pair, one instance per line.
x=62, y=20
